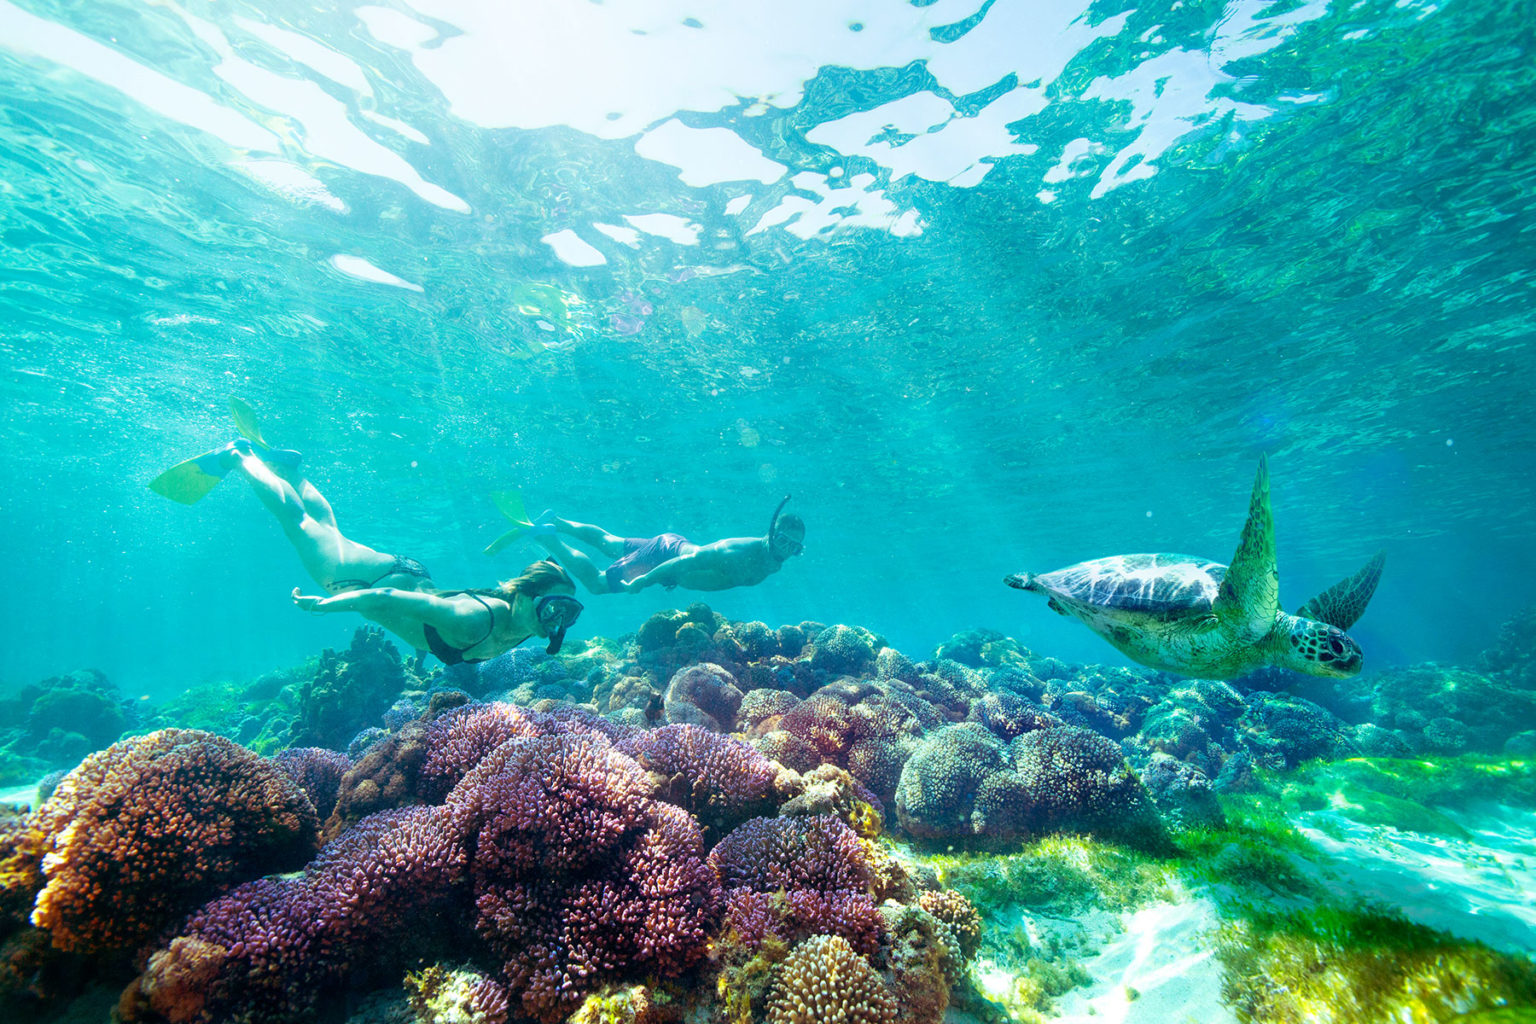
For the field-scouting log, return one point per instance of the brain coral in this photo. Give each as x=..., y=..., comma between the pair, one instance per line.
x=1077, y=779
x=937, y=791
x=147, y=829
x=824, y=981
x=703, y=694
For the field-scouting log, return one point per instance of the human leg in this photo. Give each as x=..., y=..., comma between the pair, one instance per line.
x=592, y=536
x=578, y=563
x=333, y=560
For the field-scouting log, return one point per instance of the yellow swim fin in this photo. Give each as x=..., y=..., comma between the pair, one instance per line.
x=187, y=482
x=510, y=504
x=245, y=421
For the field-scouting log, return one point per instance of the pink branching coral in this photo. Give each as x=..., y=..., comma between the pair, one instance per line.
x=269, y=949
x=144, y=831
x=580, y=877
x=720, y=779
x=798, y=876
x=458, y=739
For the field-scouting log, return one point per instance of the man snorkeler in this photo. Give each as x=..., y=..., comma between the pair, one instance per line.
x=668, y=559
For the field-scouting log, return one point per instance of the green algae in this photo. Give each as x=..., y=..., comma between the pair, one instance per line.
x=1062, y=874
x=1254, y=853
x=1325, y=964
x=1404, y=793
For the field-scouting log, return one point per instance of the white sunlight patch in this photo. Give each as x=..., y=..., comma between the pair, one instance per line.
x=571, y=250
x=666, y=225
x=622, y=235
x=292, y=182
x=315, y=56
x=30, y=36
x=707, y=156
x=854, y=204
x=362, y=270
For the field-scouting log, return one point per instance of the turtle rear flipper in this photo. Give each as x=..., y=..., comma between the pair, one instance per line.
x=1249, y=598
x=1342, y=604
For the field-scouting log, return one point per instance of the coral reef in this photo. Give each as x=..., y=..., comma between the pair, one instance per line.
x=147, y=829
x=579, y=877
x=56, y=722
x=825, y=981
x=317, y=772
x=348, y=692
x=551, y=848
x=796, y=876
x=272, y=949
x=723, y=781
x=705, y=695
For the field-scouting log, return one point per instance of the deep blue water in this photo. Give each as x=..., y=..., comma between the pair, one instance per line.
x=985, y=286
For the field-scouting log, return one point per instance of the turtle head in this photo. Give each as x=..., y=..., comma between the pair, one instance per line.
x=1323, y=650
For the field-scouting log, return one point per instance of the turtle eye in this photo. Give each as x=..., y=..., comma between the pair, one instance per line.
x=1336, y=644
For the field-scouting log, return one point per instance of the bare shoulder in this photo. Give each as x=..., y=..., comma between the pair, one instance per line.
x=735, y=547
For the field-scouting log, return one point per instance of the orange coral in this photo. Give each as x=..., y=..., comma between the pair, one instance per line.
x=148, y=829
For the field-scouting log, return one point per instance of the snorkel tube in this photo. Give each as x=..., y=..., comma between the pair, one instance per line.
x=774, y=522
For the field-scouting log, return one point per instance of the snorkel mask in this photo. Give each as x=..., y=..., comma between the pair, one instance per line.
x=556, y=613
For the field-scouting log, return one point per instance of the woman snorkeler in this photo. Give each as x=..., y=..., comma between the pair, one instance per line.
x=459, y=626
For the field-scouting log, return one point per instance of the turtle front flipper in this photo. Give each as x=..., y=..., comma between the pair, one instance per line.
x=1249, y=598
x=1342, y=604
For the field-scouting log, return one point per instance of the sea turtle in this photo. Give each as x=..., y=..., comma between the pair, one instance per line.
x=1212, y=621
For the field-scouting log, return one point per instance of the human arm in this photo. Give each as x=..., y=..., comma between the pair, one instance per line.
x=399, y=610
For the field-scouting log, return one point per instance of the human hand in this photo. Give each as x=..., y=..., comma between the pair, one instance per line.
x=307, y=602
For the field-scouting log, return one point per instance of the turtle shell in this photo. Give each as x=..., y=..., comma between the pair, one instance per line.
x=1158, y=584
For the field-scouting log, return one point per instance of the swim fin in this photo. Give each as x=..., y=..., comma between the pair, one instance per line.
x=245, y=421
x=246, y=425
x=188, y=482
x=510, y=504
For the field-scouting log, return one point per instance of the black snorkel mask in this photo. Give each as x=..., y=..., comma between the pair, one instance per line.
x=556, y=613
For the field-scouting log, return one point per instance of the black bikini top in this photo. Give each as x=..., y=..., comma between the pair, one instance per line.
x=451, y=655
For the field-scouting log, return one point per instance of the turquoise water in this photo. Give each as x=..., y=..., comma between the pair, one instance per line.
x=985, y=287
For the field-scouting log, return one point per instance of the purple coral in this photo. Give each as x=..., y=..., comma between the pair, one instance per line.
x=720, y=779
x=457, y=740
x=551, y=846
x=317, y=771
x=269, y=949
x=580, y=878
x=798, y=876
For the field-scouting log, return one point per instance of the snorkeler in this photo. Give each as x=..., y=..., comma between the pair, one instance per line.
x=459, y=626
x=667, y=559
